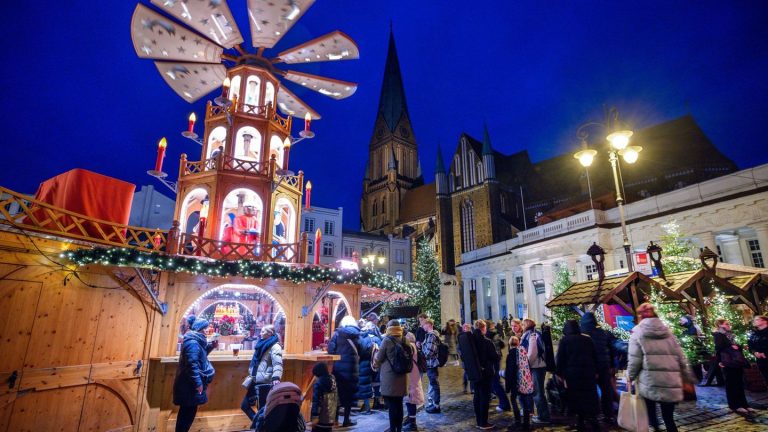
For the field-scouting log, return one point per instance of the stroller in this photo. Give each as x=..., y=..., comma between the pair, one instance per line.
x=282, y=412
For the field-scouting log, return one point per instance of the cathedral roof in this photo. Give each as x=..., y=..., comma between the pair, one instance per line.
x=392, y=104
x=418, y=203
x=439, y=165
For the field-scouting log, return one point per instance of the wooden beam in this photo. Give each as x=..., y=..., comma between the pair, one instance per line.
x=748, y=303
x=700, y=297
x=623, y=305
x=757, y=299
x=691, y=300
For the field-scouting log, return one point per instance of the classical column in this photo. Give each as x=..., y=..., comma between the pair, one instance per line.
x=707, y=239
x=480, y=294
x=494, y=297
x=731, y=249
x=528, y=290
x=467, y=301
x=549, y=278
x=511, y=293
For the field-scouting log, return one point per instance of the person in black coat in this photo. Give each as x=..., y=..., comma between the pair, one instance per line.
x=577, y=365
x=758, y=344
x=193, y=375
x=479, y=356
x=604, y=351
x=346, y=343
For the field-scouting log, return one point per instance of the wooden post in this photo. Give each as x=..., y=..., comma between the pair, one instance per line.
x=700, y=298
x=183, y=165
x=633, y=290
x=172, y=245
x=303, y=245
x=272, y=164
x=757, y=299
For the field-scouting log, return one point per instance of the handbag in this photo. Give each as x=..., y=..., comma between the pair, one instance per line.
x=633, y=414
x=247, y=381
x=733, y=358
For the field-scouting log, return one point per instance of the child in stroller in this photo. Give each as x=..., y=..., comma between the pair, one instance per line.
x=282, y=412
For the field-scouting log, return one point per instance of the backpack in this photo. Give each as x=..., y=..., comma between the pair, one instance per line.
x=421, y=361
x=442, y=353
x=403, y=361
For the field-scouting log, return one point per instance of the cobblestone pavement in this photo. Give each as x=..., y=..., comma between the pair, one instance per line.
x=708, y=413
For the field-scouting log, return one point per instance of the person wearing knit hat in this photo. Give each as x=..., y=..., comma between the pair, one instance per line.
x=190, y=320
x=394, y=386
x=346, y=343
x=193, y=375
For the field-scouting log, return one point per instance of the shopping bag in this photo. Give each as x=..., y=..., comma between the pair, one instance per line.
x=633, y=414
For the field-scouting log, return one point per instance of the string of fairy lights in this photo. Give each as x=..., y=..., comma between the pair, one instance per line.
x=125, y=257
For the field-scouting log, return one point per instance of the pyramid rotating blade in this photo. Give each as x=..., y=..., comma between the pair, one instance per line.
x=330, y=87
x=271, y=19
x=211, y=18
x=333, y=46
x=157, y=37
x=291, y=105
x=192, y=81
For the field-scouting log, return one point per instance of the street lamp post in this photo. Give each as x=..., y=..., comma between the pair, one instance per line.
x=372, y=258
x=618, y=139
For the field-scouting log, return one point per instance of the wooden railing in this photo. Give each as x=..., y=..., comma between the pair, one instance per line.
x=192, y=245
x=226, y=163
x=261, y=111
x=24, y=212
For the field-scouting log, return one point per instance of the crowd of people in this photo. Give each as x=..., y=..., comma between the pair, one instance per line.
x=387, y=366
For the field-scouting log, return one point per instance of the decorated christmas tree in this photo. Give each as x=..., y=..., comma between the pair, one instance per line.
x=558, y=315
x=425, y=290
x=678, y=251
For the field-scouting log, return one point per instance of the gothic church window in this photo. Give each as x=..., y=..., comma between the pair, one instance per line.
x=467, y=226
x=375, y=209
x=384, y=205
x=479, y=172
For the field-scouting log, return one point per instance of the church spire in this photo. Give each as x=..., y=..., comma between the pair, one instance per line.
x=392, y=100
x=439, y=166
x=488, y=162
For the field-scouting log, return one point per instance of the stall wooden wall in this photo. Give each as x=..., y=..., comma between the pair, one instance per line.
x=73, y=346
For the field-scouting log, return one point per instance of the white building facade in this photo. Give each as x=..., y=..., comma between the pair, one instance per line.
x=329, y=221
x=728, y=214
x=395, y=251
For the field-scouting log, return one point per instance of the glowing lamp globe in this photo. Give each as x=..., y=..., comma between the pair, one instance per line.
x=585, y=157
x=631, y=153
x=620, y=139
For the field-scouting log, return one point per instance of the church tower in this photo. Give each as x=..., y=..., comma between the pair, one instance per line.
x=444, y=215
x=393, y=164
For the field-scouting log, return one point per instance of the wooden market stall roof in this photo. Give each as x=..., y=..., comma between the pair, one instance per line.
x=745, y=286
x=610, y=291
x=369, y=294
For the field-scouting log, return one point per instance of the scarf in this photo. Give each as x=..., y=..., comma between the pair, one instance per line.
x=264, y=345
x=395, y=331
x=727, y=334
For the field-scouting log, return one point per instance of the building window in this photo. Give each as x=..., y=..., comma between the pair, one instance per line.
x=310, y=248
x=327, y=249
x=590, y=270
x=309, y=225
x=503, y=288
x=755, y=253
x=504, y=311
x=375, y=210
x=519, y=287
x=479, y=172
x=384, y=206
x=348, y=251
x=399, y=275
x=487, y=287
x=328, y=228
x=399, y=256
x=467, y=226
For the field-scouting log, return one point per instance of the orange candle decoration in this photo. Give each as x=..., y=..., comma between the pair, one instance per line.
x=307, y=121
x=203, y=218
x=225, y=88
x=192, y=119
x=308, y=189
x=160, y=154
x=318, y=239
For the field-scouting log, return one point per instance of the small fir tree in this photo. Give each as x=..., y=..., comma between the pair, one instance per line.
x=558, y=315
x=425, y=291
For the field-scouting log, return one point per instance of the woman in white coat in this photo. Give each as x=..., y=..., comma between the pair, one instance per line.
x=415, y=390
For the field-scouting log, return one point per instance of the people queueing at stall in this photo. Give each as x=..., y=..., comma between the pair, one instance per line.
x=584, y=363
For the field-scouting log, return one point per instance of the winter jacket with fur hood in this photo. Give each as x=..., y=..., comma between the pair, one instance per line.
x=656, y=359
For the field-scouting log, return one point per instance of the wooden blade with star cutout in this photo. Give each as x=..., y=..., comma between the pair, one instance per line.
x=211, y=18
x=330, y=87
x=330, y=47
x=270, y=20
x=157, y=37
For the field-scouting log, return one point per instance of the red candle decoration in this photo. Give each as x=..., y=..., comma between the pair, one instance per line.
x=308, y=195
x=192, y=119
x=307, y=121
x=318, y=239
x=225, y=88
x=160, y=154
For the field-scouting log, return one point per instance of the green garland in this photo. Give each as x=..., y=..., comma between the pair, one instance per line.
x=125, y=257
